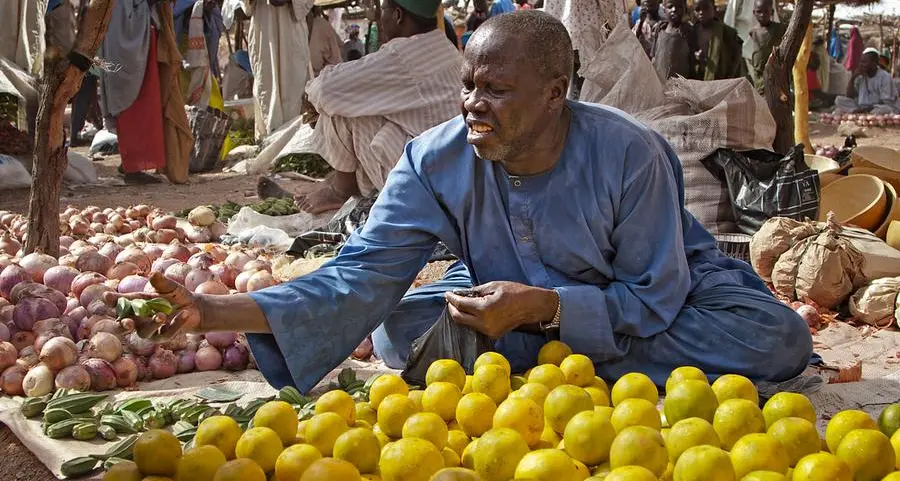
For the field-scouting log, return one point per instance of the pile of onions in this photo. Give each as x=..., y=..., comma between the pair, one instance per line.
x=862, y=120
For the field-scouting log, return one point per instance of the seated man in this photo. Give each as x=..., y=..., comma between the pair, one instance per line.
x=569, y=219
x=719, y=47
x=764, y=37
x=870, y=89
x=368, y=109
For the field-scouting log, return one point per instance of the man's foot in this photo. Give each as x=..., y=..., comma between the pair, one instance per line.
x=324, y=199
x=141, y=178
x=266, y=188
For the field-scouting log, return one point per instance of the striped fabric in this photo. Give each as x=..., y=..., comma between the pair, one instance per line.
x=369, y=108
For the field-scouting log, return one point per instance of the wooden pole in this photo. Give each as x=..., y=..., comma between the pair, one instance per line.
x=59, y=83
x=829, y=26
x=801, y=94
x=777, y=75
x=880, y=34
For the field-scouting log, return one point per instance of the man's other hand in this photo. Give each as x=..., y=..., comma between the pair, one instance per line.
x=501, y=306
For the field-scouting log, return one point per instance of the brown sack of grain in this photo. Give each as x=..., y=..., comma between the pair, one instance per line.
x=774, y=238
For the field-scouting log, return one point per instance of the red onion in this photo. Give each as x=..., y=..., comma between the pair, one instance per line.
x=258, y=265
x=198, y=234
x=105, y=346
x=22, y=339
x=185, y=361
x=33, y=289
x=176, y=251
x=84, y=280
x=100, y=308
x=93, y=262
x=238, y=260
x=201, y=260
x=235, y=357
x=97, y=227
x=212, y=287
x=163, y=364
x=11, y=380
x=208, y=358
x=36, y=264
x=810, y=315
x=126, y=372
x=9, y=245
x=164, y=222
x=10, y=277
x=8, y=355
x=178, y=272
x=5, y=261
x=103, y=376
x=260, y=280
x=68, y=260
x=4, y=333
x=6, y=313
x=92, y=293
x=122, y=270
x=176, y=343
x=58, y=353
x=110, y=250
x=154, y=251
x=99, y=217
x=217, y=230
x=73, y=377
x=193, y=341
x=71, y=305
x=143, y=372
x=60, y=278
x=197, y=277
x=138, y=345
x=164, y=236
x=79, y=226
x=32, y=309
x=364, y=350
x=160, y=265
x=136, y=257
x=240, y=282
x=217, y=252
x=221, y=339
x=105, y=324
x=132, y=284
x=28, y=356
x=66, y=241
x=224, y=273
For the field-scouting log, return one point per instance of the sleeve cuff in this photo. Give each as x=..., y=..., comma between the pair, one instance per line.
x=584, y=325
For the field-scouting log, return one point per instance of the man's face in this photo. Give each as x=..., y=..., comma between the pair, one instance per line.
x=763, y=12
x=651, y=6
x=868, y=65
x=675, y=11
x=704, y=12
x=505, y=104
x=390, y=20
x=209, y=5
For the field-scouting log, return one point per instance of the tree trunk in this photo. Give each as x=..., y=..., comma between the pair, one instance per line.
x=777, y=76
x=801, y=94
x=59, y=83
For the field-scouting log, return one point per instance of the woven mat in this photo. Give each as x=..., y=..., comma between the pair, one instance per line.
x=53, y=452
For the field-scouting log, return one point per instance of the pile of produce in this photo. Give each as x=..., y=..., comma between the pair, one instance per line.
x=830, y=151
x=270, y=206
x=12, y=140
x=307, y=163
x=56, y=331
x=863, y=120
x=557, y=422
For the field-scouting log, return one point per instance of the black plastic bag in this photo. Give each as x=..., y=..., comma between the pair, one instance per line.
x=763, y=184
x=445, y=340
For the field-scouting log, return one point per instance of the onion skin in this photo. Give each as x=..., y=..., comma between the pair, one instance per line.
x=111, y=250
x=4, y=335
x=236, y=357
x=221, y=339
x=38, y=381
x=185, y=361
x=258, y=265
x=36, y=264
x=11, y=380
x=136, y=257
x=105, y=324
x=122, y=270
x=93, y=262
x=178, y=272
x=164, y=222
x=238, y=260
x=105, y=346
x=33, y=289
x=33, y=309
x=163, y=364
x=84, y=280
x=213, y=287
x=225, y=274
x=160, y=265
x=260, y=280
x=196, y=277
x=22, y=339
x=177, y=251
x=93, y=293
x=143, y=372
x=103, y=376
x=217, y=230
x=201, y=260
x=73, y=377
x=60, y=278
x=138, y=345
x=126, y=372
x=240, y=282
x=810, y=315
x=132, y=284
x=11, y=276
x=58, y=352
x=208, y=358
x=8, y=355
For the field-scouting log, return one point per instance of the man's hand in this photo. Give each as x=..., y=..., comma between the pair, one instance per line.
x=502, y=306
x=186, y=318
x=308, y=112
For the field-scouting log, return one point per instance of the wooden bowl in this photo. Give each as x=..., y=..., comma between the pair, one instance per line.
x=860, y=200
x=893, y=211
x=878, y=157
x=827, y=168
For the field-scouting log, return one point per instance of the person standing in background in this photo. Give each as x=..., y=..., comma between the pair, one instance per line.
x=764, y=37
x=324, y=42
x=719, y=47
x=645, y=29
x=523, y=5
x=353, y=43
x=279, y=53
x=673, y=51
x=500, y=7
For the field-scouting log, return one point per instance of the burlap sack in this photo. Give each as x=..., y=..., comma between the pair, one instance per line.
x=824, y=268
x=774, y=238
x=876, y=303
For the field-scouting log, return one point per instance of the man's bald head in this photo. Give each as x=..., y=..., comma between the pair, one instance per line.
x=537, y=36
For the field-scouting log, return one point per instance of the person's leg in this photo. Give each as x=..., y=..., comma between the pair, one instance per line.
x=882, y=109
x=81, y=104
x=335, y=136
x=726, y=330
x=845, y=105
x=417, y=312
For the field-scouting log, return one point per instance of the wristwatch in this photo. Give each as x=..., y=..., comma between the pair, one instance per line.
x=553, y=325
